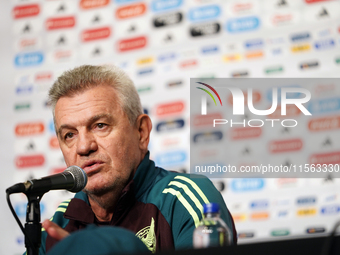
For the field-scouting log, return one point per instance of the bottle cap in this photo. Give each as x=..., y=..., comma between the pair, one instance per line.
x=211, y=208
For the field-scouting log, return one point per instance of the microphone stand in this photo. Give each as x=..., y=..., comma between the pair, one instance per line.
x=33, y=225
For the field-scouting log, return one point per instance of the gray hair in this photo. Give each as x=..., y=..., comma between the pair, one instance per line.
x=85, y=77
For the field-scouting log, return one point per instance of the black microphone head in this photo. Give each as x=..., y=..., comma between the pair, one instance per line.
x=80, y=178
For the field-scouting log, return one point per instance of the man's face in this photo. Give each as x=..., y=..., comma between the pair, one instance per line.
x=95, y=134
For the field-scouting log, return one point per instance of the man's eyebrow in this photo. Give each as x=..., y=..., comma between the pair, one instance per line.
x=90, y=121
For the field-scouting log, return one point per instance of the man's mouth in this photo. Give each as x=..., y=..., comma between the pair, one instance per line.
x=92, y=166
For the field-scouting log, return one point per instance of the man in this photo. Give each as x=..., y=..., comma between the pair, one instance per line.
x=101, y=128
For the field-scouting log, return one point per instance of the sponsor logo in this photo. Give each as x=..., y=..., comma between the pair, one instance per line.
x=323, y=124
x=26, y=129
x=308, y=65
x=240, y=74
x=306, y=200
x=259, y=216
x=306, y=212
x=170, y=125
x=285, y=146
x=205, y=120
x=144, y=89
x=143, y=61
x=273, y=70
x=29, y=161
x=242, y=7
x=188, y=63
x=28, y=43
x=261, y=204
x=162, y=5
x=301, y=47
x=60, y=23
x=315, y=230
x=204, y=13
x=239, y=217
x=132, y=44
x=300, y=37
x=242, y=24
x=245, y=133
x=249, y=184
x=324, y=106
x=90, y=4
x=170, y=108
x=325, y=158
x=95, y=34
x=324, y=44
x=282, y=213
x=43, y=76
x=207, y=137
x=168, y=19
x=255, y=43
x=130, y=11
x=29, y=59
x=205, y=29
x=167, y=57
x=254, y=54
x=171, y=158
x=234, y=57
x=281, y=19
x=145, y=71
x=210, y=49
x=175, y=83
x=246, y=235
x=25, y=11
x=54, y=144
x=330, y=210
x=22, y=106
x=280, y=232
x=314, y=1
x=25, y=89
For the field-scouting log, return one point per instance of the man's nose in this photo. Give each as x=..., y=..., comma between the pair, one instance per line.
x=86, y=143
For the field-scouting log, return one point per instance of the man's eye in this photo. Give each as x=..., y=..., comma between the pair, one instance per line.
x=101, y=125
x=68, y=135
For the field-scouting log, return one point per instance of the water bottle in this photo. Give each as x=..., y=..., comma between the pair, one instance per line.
x=212, y=230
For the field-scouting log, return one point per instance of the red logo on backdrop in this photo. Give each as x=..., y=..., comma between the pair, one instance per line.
x=43, y=76
x=130, y=11
x=95, y=34
x=256, y=97
x=206, y=120
x=26, y=11
x=132, y=44
x=54, y=144
x=278, y=19
x=28, y=43
x=291, y=111
x=30, y=161
x=171, y=108
x=58, y=23
x=285, y=146
x=26, y=129
x=242, y=7
x=89, y=4
x=188, y=63
x=314, y=1
x=245, y=133
x=322, y=124
x=326, y=158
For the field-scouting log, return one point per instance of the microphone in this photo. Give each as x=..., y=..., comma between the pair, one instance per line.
x=73, y=179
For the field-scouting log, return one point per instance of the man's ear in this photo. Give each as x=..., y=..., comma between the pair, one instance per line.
x=144, y=126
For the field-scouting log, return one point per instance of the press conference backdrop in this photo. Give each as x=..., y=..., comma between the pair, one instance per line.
x=161, y=44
